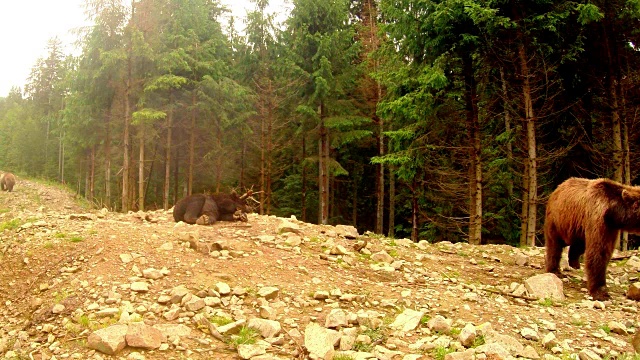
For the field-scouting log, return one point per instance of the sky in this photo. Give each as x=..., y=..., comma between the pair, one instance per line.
x=27, y=25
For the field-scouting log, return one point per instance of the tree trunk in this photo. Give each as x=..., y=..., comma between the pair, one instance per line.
x=263, y=163
x=126, y=140
x=475, y=162
x=303, y=200
x=323, y=178
x=392, y=202
x=380, y=181
x=127, y=119
x=524, y=215
x=624, y=242
x=192, y=143
x=531, y=148
x=269, y=178
x=141, y=129
x=414, y=211
x=107, y=159
x=92, y=174
x=507, y=128
x=167, y=163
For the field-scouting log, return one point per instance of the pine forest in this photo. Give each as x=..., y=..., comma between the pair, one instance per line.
x=442, y=120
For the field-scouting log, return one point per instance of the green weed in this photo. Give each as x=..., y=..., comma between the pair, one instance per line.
x=244, y=337
x=10, y=224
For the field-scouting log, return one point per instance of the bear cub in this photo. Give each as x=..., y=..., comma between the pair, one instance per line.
x=588, y=215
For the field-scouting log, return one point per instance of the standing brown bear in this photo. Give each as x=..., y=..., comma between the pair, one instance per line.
x=7, y=181
x=588, y=215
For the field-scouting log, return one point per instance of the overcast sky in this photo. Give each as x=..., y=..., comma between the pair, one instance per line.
x=27, y=25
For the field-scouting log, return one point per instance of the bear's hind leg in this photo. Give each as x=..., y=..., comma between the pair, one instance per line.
x=553, y=245
x=193, y=212
x=597, y=256
x=576, y=249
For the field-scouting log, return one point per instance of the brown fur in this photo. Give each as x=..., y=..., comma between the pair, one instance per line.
x=209, y=209
x=7, y=181
x=588, y=215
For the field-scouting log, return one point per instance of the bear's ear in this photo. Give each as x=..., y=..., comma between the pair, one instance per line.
x=629, y=195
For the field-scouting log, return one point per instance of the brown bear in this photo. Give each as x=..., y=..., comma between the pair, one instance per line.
x=7, y=181
x=588, y=215
x=205, y=209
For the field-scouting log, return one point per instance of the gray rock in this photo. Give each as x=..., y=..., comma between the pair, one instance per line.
x=177, y=293
x=266, y=328
x=144, y=336
x=250, y=351
x=152, y=273
x=544, y=286
x=382, y=257
x=468, y=354
x=347, y=231
x=109, y=340
x=223, y=288
x=588, y=354
x=440, y=324
x=194, y=303
x=467, y=335
x=232, y=328
x=140, y=286
x=268, y=292
x=320, y=341
x=618, y=328
x=407, y=321
x=633, y=292
x=336, y=318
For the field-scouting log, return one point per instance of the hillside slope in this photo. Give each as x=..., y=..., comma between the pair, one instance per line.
x=67, y=272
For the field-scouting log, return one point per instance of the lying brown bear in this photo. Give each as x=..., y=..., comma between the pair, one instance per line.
x=7, y=181
x=203, y=209
x=588, y=215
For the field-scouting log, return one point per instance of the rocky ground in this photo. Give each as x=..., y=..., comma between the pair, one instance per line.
x=93, y=284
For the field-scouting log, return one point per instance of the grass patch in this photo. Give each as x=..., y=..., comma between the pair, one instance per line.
x=545, y=302
x=376, y=335
x=60, y=296
x=392, y=242
x=48, y=245
x=440, y=352
x=455, y=331
x=393, y=253
x=606, y=328
x=244, y=337
x=76, y=239
x=220, y=320
x=479, y=341
x=342, y=357
x=577, y=322
x=425, y=319
x=363, y=257
x=60, y=235
x=10, y=224
x=629, y=356
x=3, y=211
x=363, y=347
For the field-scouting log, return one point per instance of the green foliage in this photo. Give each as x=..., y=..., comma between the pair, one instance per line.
x=440, y=352
x=220, y=320
x=245, y=336
x=10, y=224
x=588, y=13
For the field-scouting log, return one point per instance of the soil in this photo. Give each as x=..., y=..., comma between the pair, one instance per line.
x=56, y=250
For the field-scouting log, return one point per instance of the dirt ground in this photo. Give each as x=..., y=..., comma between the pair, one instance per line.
x=56, y=251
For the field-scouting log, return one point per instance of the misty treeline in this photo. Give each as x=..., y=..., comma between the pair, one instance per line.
x=438, y=120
